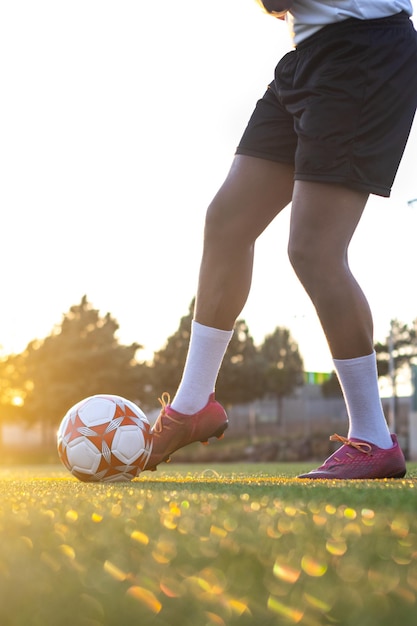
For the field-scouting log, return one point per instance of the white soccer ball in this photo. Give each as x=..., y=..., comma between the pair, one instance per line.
x=104, y=438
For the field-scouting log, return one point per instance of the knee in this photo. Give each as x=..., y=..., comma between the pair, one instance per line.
x=303, y=258
x=217, y=229
x=319, y=269
x=215, y=221
x=311, y=263
x=225, y=226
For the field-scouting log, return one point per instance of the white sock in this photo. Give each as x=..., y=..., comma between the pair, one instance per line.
x=205, y=355
x=359, y=381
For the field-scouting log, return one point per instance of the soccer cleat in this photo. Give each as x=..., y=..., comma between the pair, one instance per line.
x=173, y=430
x=360, y=459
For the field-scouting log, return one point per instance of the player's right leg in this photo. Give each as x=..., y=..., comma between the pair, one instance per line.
x=254, y=192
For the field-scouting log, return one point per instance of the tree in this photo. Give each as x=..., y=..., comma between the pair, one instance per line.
x=397, y=353
x=81, y=357
x=168, y=363
x=240, y=378
x=331, y=388
x=10, y=394
x=399, y=349
x=283, y=366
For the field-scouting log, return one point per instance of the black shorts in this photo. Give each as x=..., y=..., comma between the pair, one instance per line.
x=341, y=105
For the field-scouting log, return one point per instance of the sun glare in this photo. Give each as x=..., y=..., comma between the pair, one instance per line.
x=17, y=401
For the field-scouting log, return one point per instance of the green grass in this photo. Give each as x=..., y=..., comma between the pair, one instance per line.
x=207, y=545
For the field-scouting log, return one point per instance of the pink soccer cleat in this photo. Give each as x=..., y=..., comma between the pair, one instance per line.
x=173, y=430
x=360, y=459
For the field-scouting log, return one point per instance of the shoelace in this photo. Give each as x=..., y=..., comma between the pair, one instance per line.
x=361, y=446
x=164, y=400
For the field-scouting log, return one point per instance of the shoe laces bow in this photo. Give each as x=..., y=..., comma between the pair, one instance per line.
x=164, y=400
x=361, y=446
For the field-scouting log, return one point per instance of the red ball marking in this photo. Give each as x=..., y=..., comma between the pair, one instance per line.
x=72, y=430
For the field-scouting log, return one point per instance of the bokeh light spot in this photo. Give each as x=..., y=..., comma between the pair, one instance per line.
x=313, y=567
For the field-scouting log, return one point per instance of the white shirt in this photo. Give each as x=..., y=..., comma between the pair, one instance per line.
x=308, y=16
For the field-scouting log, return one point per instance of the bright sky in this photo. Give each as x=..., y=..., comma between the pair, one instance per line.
x=119, y=121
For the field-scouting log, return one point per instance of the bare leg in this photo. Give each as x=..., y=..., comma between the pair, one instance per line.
x=254, y=192
x=323, y=220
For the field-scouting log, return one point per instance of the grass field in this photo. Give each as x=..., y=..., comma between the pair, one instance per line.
x=207, y=546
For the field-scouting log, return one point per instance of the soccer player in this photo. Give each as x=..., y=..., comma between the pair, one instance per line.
x=330, y=130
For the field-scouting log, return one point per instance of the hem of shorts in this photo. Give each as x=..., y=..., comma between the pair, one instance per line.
x=385, y=192
x=370, y=188
x=262, y=155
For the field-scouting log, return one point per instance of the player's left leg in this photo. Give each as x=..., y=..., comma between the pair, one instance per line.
x=254, y=192
x=324, y=219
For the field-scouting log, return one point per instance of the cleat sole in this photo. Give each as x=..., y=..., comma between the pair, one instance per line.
x=399, y=475
x=167, y=459
x=219, y=434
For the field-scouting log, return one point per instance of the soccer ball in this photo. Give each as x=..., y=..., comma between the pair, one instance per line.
x=104, y=438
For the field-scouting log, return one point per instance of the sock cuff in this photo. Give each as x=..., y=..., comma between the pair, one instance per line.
x=211, y=333
x=356, y=361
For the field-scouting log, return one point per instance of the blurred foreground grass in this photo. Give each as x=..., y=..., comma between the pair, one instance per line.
x=207, y=546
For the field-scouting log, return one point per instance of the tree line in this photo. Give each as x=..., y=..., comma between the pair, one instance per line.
x=83, y=356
